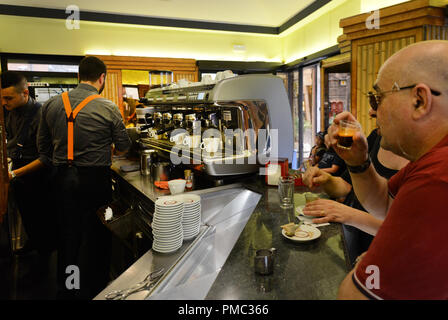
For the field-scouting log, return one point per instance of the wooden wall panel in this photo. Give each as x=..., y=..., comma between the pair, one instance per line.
x=435, y=32
x=113, y=89
x=190, y=76
x=400, y=26
x=370, y=55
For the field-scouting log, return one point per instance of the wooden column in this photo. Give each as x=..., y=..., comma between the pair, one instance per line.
x=399, y=26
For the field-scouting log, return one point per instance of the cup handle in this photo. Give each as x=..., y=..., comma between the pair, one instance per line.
x=186, y=141
x=202, y=146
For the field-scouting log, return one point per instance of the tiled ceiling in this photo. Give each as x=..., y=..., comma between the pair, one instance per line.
x=269, y=13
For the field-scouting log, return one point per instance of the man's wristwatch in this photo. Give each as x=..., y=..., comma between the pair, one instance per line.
x=361, y=168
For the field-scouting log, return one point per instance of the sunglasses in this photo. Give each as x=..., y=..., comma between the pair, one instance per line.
x=375, y=98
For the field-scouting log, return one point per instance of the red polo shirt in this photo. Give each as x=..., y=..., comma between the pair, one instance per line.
x=410, y=249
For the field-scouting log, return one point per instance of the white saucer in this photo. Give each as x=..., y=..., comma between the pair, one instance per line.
x=309, y=233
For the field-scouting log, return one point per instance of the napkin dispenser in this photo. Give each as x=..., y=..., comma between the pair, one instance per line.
x=275, y=169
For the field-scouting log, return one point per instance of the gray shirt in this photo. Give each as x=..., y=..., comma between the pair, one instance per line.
x=96, y=127
x=15, y=121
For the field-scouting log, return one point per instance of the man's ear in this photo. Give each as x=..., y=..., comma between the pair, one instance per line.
x=422, y=101
x=26, y=92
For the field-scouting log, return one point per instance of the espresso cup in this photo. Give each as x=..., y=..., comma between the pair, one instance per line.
x=347, y=130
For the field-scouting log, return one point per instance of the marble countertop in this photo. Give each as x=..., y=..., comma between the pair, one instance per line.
x=309, y=270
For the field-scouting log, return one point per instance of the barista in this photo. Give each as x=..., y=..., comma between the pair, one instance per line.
x=30, y=179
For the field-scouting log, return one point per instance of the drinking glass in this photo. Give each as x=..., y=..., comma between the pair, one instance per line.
x=347, y=130
x=286, y=192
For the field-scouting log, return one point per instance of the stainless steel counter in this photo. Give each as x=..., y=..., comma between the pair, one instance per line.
x=191, y=270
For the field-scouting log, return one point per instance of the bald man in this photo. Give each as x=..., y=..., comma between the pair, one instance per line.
x=408, y=257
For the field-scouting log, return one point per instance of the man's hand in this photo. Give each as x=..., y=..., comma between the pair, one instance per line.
x=358, y=153
x=329, y=211
x=314, y=177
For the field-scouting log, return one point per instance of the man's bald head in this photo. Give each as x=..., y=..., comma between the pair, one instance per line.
x=413, y=120
x=425, y=61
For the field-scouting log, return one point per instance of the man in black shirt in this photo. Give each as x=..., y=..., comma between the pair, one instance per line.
x=29, y=177
x=331, y=162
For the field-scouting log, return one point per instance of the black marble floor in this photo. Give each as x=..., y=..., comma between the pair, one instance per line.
x=28, y=277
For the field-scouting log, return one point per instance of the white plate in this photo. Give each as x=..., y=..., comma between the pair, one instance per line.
x=191, y=198
x=165, y=224
x=165, y=233
x=162, y=227
x=188, y=235
x=166, y=250
x=167, y=217
x=168, y=202
x=309, y=233
x=190, y=230
x=168, y=243
x=191, y=224
x=192, y=205
x=177, y=209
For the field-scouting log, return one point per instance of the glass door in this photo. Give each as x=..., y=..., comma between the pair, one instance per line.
x=309, y=112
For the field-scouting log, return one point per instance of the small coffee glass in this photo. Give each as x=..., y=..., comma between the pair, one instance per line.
x=347, y=130
x=310, y=197
x=286, y=191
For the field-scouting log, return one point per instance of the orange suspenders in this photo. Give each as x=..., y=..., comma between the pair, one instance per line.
x=71, y=115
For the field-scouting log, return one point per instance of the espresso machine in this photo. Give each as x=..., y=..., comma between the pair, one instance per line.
x=228, y=128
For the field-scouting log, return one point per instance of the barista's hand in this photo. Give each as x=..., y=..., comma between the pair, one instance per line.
x=358, y=153
x=314, y=177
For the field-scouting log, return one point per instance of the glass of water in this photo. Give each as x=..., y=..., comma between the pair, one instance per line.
x=286, y=192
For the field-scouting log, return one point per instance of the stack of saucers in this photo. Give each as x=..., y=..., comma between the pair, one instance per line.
x=167, y=224
x=191, y=220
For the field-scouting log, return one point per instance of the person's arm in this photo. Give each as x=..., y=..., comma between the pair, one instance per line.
x=334, y=168
x=120, y=137
x=372, y=192
x=335, y=187
x=370, y=188
x=348, y=290
x=333, y=211
x=29, y=168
